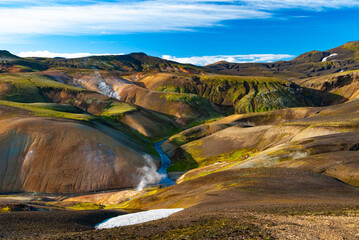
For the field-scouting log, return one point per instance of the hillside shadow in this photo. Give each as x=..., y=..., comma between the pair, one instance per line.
x=182, y=161
x=322, y=98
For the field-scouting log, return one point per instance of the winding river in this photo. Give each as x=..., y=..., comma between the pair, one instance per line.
x=165, y=163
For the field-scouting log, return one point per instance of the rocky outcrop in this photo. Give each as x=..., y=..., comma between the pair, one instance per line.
x=332, y=89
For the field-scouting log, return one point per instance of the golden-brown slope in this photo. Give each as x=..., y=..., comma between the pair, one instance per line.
x=52, y=155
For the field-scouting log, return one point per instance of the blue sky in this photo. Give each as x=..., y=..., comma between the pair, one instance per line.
x=195, y=31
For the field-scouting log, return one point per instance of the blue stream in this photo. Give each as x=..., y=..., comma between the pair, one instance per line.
x=165, y=163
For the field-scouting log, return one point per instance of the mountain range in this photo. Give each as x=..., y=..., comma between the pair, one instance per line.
x=237, y=134
x=313, y=63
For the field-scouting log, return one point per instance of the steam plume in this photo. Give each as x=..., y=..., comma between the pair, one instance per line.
x=149, y=174
x=104, y=88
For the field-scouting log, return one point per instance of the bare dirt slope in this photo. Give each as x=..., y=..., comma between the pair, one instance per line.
x=51, y=155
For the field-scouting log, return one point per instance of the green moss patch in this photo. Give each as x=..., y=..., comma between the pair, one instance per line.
x=171, y=88
x=28, y=87
x=184, y=164
x=85, y=206
x=51, y=110
x=116, y=109
x=5, y=209
x=190, y=99
x=235, y=156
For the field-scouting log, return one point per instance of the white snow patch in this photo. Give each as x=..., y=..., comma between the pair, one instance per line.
x=136, y=218
x=331, y=55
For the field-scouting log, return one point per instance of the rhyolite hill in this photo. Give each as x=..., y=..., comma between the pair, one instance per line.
x=86, y=124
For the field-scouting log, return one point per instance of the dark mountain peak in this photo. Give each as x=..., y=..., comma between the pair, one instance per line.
x=142, y=57
x=140, y=54
x=219, y=62
x=312, y=56
x=6, y=55
x=347, y=51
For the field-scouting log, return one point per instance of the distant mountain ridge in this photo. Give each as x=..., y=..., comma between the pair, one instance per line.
x=313, y=63
x=348, y=51
x=134, y=62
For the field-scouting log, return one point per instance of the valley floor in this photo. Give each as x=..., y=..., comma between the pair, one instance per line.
x=220, y=216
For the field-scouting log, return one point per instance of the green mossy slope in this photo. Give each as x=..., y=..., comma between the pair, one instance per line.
x=244, y=94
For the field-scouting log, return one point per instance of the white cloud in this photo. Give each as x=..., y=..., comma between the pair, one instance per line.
x=47, y=54
x=106, y=17
x=144, y=16
x=44, y=2
x=303, y=4
x=206, y=60
x=56, y=17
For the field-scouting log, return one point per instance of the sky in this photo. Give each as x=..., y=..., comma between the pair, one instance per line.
x=189, y=31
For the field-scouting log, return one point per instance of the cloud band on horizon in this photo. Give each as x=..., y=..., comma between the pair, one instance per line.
x=195, y=60
x=249, y=58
